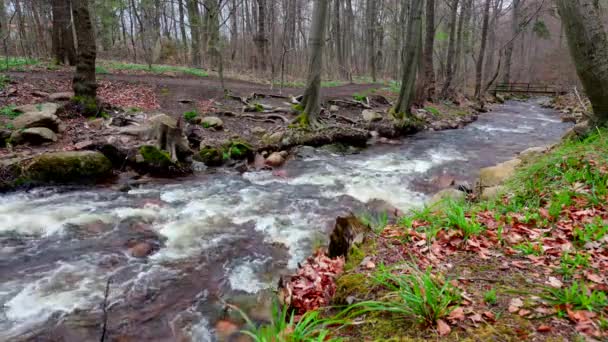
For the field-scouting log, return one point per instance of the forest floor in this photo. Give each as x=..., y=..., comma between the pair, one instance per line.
x=528, y=265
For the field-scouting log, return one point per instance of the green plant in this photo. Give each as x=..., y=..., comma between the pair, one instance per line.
x=377, y=222
x=490, y=297
x=579, y=296
x=190, y=115
x=310, y=327
x=529, y=248
x=99, y=69
x=4, y=80
x=456, y=217
x=359, y=97
x=418, y=295
x=570, y=263
x=433, y=110
x=9, y=112
x=16, y=63
x=591, y=232
x=157, y=69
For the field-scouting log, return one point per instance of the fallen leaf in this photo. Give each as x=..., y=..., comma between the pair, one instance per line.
x=489, y=315
x=543, y=328
x=524, y=312
x=554, y=282
x=456, y=314
x=476, y=318
x=515, y=304
x=594, y=278
x=443, y=328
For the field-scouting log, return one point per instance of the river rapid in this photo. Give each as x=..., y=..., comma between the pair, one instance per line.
x=218, y=236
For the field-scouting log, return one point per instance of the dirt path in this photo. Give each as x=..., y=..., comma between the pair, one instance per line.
x=171, y=90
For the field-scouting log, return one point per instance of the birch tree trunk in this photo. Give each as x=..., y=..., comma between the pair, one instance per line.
x=589, y=48
x=402, y=109
x=311, y=106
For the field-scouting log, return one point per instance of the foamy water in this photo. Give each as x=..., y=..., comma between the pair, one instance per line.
x=235, y=232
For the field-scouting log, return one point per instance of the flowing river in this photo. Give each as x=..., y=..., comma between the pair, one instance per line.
x=218, y=236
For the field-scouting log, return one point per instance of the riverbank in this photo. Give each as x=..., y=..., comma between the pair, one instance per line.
x=246, y=132
x=527, y=263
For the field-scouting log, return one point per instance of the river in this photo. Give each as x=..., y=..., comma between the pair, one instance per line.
x=219, y=235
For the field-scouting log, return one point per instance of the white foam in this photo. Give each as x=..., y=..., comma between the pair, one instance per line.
x=244, y=277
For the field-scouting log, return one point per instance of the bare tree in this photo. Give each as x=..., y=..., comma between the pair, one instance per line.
x=410, y=57
x=311, y=106
x=63, y=38
x=451, y=58
x=482, y=50
x=428, y=86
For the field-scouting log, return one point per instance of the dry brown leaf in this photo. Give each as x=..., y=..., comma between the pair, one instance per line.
x=456, y=314
x=543, y=328
x=443, y=328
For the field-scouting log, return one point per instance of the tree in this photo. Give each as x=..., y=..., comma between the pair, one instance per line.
x=589, y=48
x=451, y=59
x=84, y=84
x=371, y=36
x=428, y=87
x=260, y=38
x=410, y=58
x=511, y=44
x=482, y=50
x=63, y=38
x=194, y=17
x=310, y=105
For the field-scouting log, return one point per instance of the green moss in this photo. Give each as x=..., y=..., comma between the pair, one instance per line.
x=239, y=150
x=351, y=284
x=297, y=107
x=154, y=155
x=87, y=105
x=67, y=167
x=190, y=115
x=212, y=156
x=433, y=110
x=9, y=112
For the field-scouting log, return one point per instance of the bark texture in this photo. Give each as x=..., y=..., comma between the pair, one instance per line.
x=411, y=55
x=84, y=84
x=482, y=50
x=63, y=38
x=589, y=48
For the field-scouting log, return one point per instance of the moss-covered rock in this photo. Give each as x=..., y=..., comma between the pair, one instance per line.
x=155, y=156
x=239, y=149
x=66, y=168
x=211, y=156
x=152, y=160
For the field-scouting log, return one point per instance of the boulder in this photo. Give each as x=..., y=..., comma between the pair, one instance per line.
x=276, y=159
x=532, y=153
x=569, y=117
x=492, y=192
x=212, y=122
x=334, y=109
x=371, y=116
x=257, y=130
x=37, y=119
x=33, y=136
x=500, y=98
x=496, y=175
x=67, y=167
x=47, y=107
x=141, y=250
x=64, y=96
x=452, y=194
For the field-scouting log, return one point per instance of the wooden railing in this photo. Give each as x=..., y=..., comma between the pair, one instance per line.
x=527, y=88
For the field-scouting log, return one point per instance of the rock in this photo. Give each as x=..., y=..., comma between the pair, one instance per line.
x=443, y=181
x=67, y=167
x=37, y=119
x=211, y=156
x=212, y=122
x=141, y=250
x=500, y=98
x=347, y=232
x=47, y=107
x=34, y=136
x=64, y=96
x=275, y=160
x=452, y=194
x=463, y=186
x=492, y=192
x=5, y=134
x=96, y=124
x=257, y=130
x=85, y=144
x=371, y=116
x=39, y=93
x=532, y=153
x=334, y=109
x=569, y=117
x=496, y=175
x=152, y=160
x=274, y=138
x=582, y=128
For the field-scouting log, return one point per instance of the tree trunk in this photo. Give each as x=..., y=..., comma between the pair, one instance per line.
x=311, y=105
x=482, y=50
x=194, y=17
x=371, y=37
x=338, y=40
x=403, y=106
x=84, y=84
x=428, y=88
x=260, y=39
x=449, y=77
x=63, y=38
x=511, y=44
x=182, y=29
x=589, y=48
x=213, y=32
